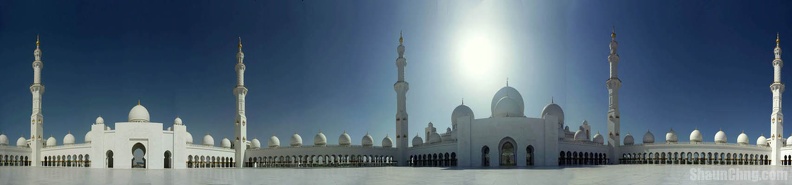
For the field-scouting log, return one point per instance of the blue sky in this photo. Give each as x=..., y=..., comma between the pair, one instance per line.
x=330, y=66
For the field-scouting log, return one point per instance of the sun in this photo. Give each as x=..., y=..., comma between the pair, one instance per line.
x=479, y=57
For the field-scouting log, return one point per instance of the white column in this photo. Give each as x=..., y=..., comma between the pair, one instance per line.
x=240, y=142
x=776, y=117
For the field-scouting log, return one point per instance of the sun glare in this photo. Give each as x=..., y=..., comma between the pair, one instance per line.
x=479, y=57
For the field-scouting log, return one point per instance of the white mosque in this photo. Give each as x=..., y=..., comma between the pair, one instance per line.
x=507, y=137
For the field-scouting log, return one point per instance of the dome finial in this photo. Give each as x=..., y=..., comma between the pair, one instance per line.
x=401, y=38
x=778, y=39
x=613, y=33
x=138, y=101
x=240, y=44
x=552, y=99
x=507, y=81
x=37, y=41
x=463, y=101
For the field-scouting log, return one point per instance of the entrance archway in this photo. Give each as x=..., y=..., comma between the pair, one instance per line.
x=109, y=160
x=529, y=158
x=485, y=156
x=507, y=152
x=139, y=153
x=167, y=159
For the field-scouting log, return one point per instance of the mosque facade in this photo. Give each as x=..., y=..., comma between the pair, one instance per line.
x=507, y=137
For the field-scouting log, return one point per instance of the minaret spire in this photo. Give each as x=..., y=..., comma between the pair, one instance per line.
x=401, y=87
x=240, y=123
x=614, y=84
x=776, y=116
x=37, y=117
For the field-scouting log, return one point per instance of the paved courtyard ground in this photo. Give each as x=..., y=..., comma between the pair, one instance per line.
x=615, y=174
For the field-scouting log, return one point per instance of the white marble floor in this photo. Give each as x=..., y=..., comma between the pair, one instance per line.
x=615, y=174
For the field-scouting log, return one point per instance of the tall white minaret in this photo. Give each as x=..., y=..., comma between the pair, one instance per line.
x=401, y=87
x=240, y=144
x=613, y=83
x=776, y=118
x=37, y=118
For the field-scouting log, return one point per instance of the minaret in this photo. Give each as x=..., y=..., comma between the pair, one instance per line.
x=401, y=87
x=776, y=117
x=613, y=83
x=37, y=118
x=240, y=144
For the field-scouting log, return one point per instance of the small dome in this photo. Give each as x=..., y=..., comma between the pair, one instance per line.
x=742, y=139
x=296, y=140
x=761, y=141
x=629, y=140
x=188, y=138
x=507, y=107
x=435, y=138
x=256, y=143
x=21, y=142
x=648, y=138
x=513, y=94
x=555, y=110
x=387, y=142
x=51, y=142
x=599, y=139
x=320, y=139
x=177, y=121
x=225, y=143
x=367, y=140
x=461, y=111
x=273, y=142
x=88, y=137
x=139, y=114
x=789, y=141
x=671, y=137
x=68, y=139
x=695, y=136
x=99, y=120
x=417, y=141
x=344, y=139
x=4, y=140
x=720, y=137
x=208, y=140
x=580, y=135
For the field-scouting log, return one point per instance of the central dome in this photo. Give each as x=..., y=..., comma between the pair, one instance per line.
x=139, y=114
x=507, y=107
x=555, y=110
x=512, y=94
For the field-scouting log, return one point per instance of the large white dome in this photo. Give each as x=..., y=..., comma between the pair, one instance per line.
x=296, y=140
x=21, y=142
x=51, y=142
x=513, y=94
x=177, y=121
x=188, y=138
x=4, y=140
x=367, y=140
x=344, y=139
x=696, y=137
x=273, y=142
x=435, y=138
x=417, y=141
x=225, y=143
x=255, y=143
x=99, y=120
x=580, y=135
x=88, y=137
x=629, y=140
x=648, y=138
x=671, y=137
x=388, y=143
x=320, y=139
x=507, y=107
x=139, y=114
x=208, y=140
x=789, y=141
x=599, y=139
x=68, y=139
x=720, y=137
x=555, y=110
x=761, y=141
x=460, y=111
